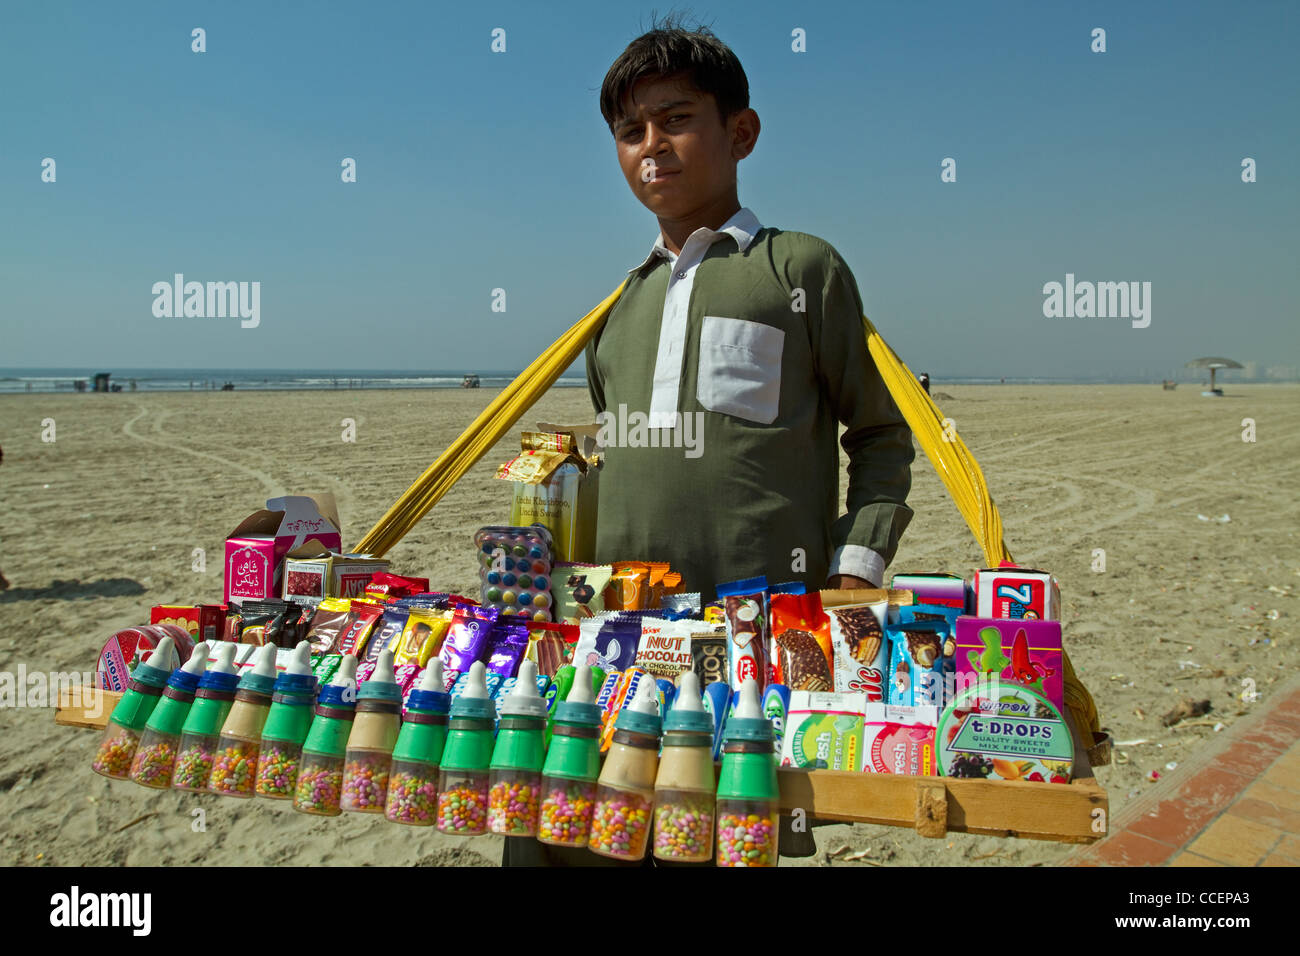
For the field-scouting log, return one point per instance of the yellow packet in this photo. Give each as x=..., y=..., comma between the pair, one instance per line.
x=421, y=638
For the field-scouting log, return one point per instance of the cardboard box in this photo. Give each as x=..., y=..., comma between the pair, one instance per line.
x=311, y=579
x=823, y=731
x=1025, y=652
x=945, y=590
x=1013, y=592
x=899, y=740
x=205, y=622
x=255, y=551
x=555, y=485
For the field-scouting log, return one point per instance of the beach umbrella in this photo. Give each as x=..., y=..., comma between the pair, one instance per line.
x=1213, y=364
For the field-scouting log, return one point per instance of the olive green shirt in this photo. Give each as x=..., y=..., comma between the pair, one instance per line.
x=751, y=343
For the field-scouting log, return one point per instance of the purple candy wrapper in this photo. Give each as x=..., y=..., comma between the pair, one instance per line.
x=609, y=644
x=467, y=638
x=390, y=625
x=506, y=646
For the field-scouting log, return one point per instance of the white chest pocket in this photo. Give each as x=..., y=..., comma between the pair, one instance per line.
x=740, y=368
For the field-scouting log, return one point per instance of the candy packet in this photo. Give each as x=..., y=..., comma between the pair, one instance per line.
x=421, y=637
x=900, y=740
x=628, y=588
x=356, y=632
x=823, y=731
x=262, y=622
x=507, y=643
x=551, y=646
x=610, y=643
x=801, y=642
x=709, y=656
x=332, y=615
x=385, y=586
x=622, y=695
x=466, y=640
x=665, y=647
x=579, y=590
x=860, y=650
x=748, y=656
x=389, y=629
x=917, y=671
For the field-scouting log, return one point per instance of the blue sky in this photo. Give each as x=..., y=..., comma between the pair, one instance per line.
x=479, y=170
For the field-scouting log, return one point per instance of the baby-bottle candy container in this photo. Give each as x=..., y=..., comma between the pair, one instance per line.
x=286, y=727
x=234, y=768
x=572, y=766
x=374, y=735
x=212, y=702
x=122, y=735
x=320, y=779
x=684, y=787
x=620, y=823
x=515, y=781
x=748, y=795
x=155, y=758
x=413, y=783
x=463, y=778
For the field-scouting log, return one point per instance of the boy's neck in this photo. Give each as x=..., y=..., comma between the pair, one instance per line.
x=675, y=232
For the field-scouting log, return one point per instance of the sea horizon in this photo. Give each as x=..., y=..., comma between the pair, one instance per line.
x=55, y=380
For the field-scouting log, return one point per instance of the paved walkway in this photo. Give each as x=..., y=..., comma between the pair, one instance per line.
x=1236, y=804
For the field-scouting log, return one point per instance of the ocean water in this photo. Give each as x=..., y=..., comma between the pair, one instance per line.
x=181, y=380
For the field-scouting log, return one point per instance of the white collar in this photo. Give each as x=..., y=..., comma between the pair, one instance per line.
x=742, y=227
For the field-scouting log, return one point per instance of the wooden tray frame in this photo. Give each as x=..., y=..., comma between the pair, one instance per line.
x=1076, y=812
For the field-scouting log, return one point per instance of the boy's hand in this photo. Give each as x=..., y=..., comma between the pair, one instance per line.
x=848, y=582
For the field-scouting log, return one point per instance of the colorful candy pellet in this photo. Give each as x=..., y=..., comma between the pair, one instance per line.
x=565, y=816
x=115, y=754
x=318, y=791
x=620, y=825
x=193, y=768
x=277, y=771
x=413, y=797
x=462, y=809
x=152, y=766
x=746, y=840
x=365, y=784
x=683, y=831
x=234, y=769
x=512, y=808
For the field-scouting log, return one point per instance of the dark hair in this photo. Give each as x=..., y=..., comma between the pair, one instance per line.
x=667, y=50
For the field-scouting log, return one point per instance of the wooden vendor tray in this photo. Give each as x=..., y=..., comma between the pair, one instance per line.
x=1076, y=812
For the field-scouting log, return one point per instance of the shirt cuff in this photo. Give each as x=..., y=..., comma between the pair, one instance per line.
x=858, y=561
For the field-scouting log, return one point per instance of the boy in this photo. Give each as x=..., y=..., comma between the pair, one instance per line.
x=757, y=335
x=752, y=332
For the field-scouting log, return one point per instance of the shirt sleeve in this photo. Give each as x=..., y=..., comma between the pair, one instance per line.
x=877, y=439
x=595, y=383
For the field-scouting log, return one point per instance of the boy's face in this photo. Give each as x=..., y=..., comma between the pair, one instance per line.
x=676, y=128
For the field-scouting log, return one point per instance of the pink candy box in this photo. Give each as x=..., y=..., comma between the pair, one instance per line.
x=900, y=740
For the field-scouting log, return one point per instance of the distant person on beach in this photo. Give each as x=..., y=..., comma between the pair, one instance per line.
x=924, y=379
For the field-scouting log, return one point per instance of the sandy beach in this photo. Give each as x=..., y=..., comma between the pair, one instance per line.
x=102, y=523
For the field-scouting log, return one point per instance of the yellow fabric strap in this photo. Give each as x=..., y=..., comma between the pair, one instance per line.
x=948, y=454
x=475, y=442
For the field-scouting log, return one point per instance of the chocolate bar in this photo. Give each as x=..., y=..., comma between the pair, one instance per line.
x=862, y=633
x=802, y=661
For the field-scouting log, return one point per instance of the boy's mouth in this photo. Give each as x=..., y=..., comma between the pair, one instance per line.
x=663, y=174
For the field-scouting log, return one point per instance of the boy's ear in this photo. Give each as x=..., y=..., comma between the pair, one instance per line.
x=744, y=128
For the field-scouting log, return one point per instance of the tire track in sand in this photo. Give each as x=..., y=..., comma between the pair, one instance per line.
x=269, y=484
